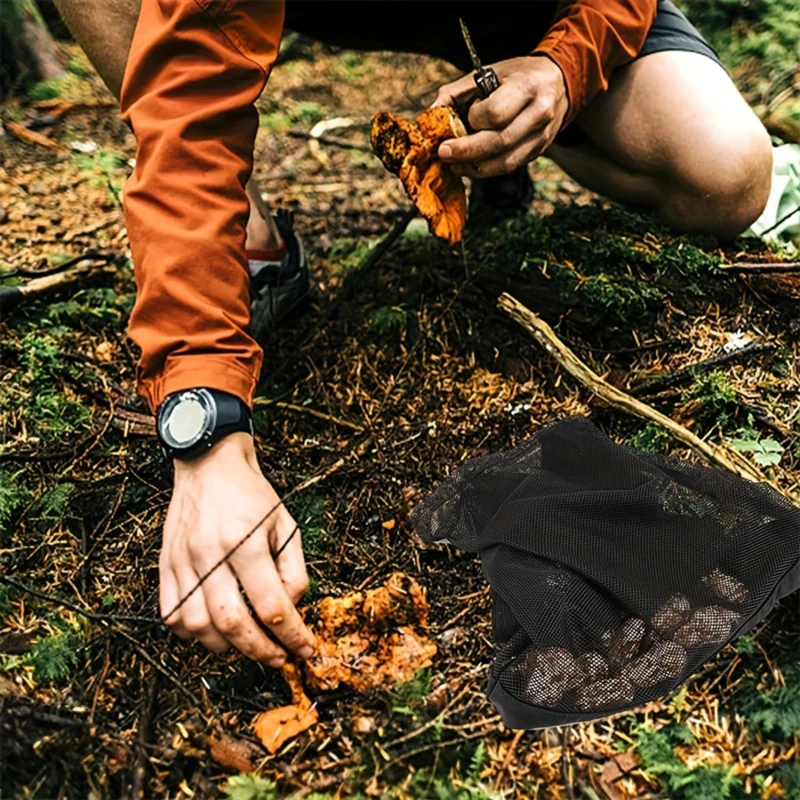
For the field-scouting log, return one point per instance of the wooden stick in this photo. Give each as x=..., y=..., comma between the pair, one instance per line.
x=719, y=455
x=266, y=401
x=336, y=141
x=773, y=267
x=12, y=296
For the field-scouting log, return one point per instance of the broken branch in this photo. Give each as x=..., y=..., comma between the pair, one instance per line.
x=718, y=455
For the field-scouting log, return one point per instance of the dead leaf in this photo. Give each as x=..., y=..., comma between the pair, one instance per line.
x=31, y=137
x=369, y=640
x=8, y=687
x=237, y=755
x=409, y=150
x=104, y=352
x=279, y=725
x=388, y=525
x=613, y=770
x=364, y=724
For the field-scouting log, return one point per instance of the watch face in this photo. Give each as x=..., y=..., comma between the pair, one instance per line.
x=186, y=418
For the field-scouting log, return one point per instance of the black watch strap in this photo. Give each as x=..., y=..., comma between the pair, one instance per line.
x=225, y=414
x=233, y=415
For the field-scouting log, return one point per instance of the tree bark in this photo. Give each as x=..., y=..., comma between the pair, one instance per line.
x=32, y=48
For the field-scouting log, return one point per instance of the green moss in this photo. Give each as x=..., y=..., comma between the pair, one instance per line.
x=36, y=398
x=347, y=254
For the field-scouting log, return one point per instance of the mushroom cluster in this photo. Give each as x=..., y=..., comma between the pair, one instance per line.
x=633, y=657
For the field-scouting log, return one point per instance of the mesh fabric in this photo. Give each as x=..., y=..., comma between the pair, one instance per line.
x=614, y=573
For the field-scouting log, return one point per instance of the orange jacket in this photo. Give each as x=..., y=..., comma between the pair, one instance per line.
x=195, y=70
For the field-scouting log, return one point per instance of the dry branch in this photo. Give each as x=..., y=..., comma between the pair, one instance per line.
x=12, y=296
x=719, y=455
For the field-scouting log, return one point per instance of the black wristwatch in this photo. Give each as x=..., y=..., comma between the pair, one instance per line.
x=189, y=422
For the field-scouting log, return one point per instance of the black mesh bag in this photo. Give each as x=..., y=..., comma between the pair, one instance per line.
x=614, y=574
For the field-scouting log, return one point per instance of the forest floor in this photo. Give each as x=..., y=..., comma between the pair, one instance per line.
x=412, y=371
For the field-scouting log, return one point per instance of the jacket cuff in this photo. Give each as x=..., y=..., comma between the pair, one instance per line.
x=557, y=47
x=195, y=371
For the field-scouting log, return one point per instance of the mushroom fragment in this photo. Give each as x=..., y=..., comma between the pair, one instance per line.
x=551, y=673
x=611, y=693
x=726, y=587
x=626, y=641
x=672, y=615
x=664, y=660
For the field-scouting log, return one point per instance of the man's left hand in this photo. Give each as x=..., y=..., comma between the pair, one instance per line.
x=514, y=125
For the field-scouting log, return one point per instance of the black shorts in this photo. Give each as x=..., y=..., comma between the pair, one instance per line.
x=500, y=29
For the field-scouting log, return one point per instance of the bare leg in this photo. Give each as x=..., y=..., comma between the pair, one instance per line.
x=104, y=29
x=673, y=133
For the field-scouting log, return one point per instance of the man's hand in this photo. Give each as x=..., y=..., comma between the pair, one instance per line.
x=217, y=500
x=514, y=125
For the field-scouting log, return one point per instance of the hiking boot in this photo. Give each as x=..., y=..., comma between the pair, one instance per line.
x=278, y=287
x=505, y=196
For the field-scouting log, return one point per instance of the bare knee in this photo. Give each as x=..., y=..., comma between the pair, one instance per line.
x=724, y=189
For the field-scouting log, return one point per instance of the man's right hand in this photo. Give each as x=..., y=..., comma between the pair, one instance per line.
x=217, y=499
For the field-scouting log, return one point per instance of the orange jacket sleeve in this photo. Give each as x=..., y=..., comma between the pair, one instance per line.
x=590, y=39
x=195, y=70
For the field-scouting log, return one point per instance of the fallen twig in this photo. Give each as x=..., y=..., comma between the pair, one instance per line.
x=785, y=267
x=31, y=137
x=321, y=129
x=12, y=296
x=266, y=401
x=336, y=141
x=719, y=455
x=659, y=382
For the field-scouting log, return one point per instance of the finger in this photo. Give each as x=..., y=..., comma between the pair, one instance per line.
x=507, y=162
x=460, y=92
x=169, y=597
x=499, y=109
x=268, y=596
x=488, y=144
x=231, y=617
x=195, y=616
x=291, y=564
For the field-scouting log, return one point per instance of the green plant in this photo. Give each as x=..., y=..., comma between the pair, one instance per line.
x=652, y=439
x=106, y=168
x=389, y=319
x=56, y=656
x=250, y=787
x=425, y=786
x=415, y=690
x=717, y=398
x=766, y=452
x=478, y=761
x=5, y=601
x=788, y=776
x=12, y=498
x=679, y=782
x=774, y=713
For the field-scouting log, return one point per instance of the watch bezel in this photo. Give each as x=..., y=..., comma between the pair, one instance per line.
x=206, y=399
